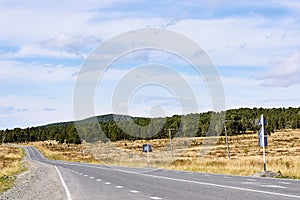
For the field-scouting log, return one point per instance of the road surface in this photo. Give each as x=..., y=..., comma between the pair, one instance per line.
x=88, y=181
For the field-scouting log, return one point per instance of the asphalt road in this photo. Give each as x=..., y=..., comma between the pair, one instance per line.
x=87, y=181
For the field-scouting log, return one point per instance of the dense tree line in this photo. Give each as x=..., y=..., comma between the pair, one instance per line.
x=119, y=127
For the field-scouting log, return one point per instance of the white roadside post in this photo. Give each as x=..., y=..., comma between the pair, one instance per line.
x=84, y=153
x=227, y=144
x=262, y=139
x=171, y=145
x=148, y=159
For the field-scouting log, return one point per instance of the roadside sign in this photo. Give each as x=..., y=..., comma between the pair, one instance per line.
x=147, y=147
x=263, y=141
x=263, y=138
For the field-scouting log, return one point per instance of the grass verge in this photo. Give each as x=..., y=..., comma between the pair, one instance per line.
x=10, y=166
x=289, y=167
x=67, y=152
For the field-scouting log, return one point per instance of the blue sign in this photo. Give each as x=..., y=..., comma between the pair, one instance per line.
x=147, y=147
x=260, y=138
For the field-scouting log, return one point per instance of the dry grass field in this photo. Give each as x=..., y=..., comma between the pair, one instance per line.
x=10, y=165
x=67, y=152
x=209, y=155
x=192, y=154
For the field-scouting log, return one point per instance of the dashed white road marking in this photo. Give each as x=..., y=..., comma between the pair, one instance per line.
x=155, y=198
x=134, y=191
x=273, y=186
x=86, y=175
x=107, y=183
x=285, y=183
x=211, y=184
x=99, y=180
x=64, y=184
x=119, y=186
x=80, y=173
x=250, y=183
x=92, y=177
x=201, y=183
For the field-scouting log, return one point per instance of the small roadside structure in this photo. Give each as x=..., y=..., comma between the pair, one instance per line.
x=147, y=147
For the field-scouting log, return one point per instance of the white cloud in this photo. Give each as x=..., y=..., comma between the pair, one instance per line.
x=17, y=72
x=27, y=25
x=24, y=111
x=68, y=30
x=262, y=38
x=247, y=92
x=284, y=74
x=71, y=43
x=65, y=31
x=30, y=51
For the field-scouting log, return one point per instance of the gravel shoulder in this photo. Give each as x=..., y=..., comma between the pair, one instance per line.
x=41, y=181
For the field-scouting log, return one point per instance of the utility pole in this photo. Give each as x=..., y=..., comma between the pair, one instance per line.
x=228, y=150
x=132, y=148
x=108, y=144
x=171, y=145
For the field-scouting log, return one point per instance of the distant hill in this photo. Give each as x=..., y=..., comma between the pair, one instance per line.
x=100, y=118
x=238, y=121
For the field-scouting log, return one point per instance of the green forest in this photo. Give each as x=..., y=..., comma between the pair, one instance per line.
x=118, y=127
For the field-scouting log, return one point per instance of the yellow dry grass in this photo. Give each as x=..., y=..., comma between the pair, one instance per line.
x=209, y=155
x=192, y=154
x=288, y=166
x=67, y=152
x=10, y=165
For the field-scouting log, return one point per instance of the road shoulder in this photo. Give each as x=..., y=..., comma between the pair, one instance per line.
x=41, y=181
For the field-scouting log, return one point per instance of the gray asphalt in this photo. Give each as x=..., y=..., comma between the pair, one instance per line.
x=88, y=181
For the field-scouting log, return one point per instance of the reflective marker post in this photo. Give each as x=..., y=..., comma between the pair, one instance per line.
x=84, y=153
x=263, y=140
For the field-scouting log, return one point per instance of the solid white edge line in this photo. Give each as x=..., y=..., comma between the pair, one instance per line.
x=212, y=184
x=64, y=184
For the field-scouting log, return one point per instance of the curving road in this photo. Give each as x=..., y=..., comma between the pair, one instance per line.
x=88, y=181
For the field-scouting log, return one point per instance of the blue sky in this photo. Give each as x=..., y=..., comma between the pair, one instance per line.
x=254, y=44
